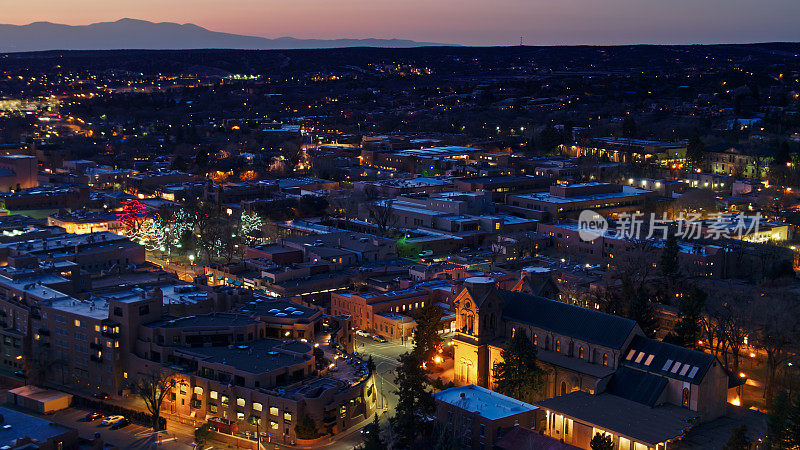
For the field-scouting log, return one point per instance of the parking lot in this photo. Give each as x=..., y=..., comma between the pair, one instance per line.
x=131, y=436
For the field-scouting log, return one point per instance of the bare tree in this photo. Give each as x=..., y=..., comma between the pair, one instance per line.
x=152, y=388
x=776, y=334
x=382, y=214
x=726, y=324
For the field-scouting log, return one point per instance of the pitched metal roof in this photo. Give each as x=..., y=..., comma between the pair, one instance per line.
x=562, y=318
x=667, y=360
x=624, y=417
x=641, y=387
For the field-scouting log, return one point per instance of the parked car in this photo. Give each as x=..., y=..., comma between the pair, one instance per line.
x=370, y=428
x=19, y=373
x=362, y=333
x=92, y=416
x=120, y=424
x=111, y=420
x=426, y=253
x=379, y=338
x=102, y=396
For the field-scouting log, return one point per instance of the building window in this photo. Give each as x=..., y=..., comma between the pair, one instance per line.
x=198, y=390
x=273, y=425
x=558, y=345
x=685, y=398
x=212, y=395
x=605, y=359
x=240, y=401
x=257, y=406
x=273, y=410
x=563, y=388
x=287, y=416
x=580, y=352
x=483, y=430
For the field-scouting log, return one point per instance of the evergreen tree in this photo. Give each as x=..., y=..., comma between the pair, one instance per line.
x=738, y=439
x=778, y=421
x=783, y=422
x=687, y=330
x=783, y=154
x=669, y=257
x=306, y=428
x=426, y=335
x=629, y=127
x=549, y=139
x=641, y=310
x=518, y=375
x=447, y=439
x=601, y=442
x=694, y=150
x=414, y=401
x=372, y=437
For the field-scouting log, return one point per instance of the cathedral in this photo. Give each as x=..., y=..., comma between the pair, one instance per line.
x=590, y=358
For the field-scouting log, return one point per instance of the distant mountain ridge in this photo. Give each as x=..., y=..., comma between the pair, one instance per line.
x=144, y=35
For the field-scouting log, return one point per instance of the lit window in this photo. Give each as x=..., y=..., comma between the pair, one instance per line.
x=273, y=410
x=258, y=406
x=212, y=395
x=240, y=401
x=198, y=390
x=287, y=416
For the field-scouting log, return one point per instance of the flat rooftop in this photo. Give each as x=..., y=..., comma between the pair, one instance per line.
x=278, y=308
x=183, y=294
x=627, y=191
x=488, y=404
x=263, y=355
x=212, y=320
x=21, y=425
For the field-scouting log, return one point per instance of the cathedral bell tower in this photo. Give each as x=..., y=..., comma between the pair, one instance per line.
x=478, y=321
